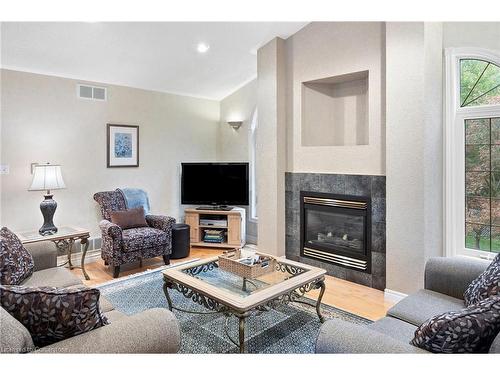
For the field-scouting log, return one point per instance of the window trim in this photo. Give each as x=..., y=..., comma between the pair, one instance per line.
x=454, y=150
x=253, y=172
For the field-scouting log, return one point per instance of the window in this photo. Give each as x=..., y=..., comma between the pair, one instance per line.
x=253, y=161
x=472, y=144
x=479, y=83
x=482, y=184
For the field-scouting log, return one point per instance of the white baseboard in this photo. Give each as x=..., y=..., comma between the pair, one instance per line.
x=251, y=239
x=394, y=295
x=91, y=256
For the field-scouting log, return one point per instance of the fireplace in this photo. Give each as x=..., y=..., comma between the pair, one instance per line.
x=336, y=229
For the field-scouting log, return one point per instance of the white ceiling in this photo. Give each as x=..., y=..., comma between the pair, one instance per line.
x=158, y=56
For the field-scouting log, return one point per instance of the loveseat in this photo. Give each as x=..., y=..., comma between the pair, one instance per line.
x=445, y=281
x=150, y=331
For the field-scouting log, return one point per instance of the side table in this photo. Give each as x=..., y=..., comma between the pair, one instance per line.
x=64, y=240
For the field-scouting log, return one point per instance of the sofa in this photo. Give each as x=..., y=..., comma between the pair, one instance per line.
x=445, y=281
x=150, y=331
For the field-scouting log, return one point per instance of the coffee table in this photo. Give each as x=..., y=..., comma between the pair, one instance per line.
x=219, y=291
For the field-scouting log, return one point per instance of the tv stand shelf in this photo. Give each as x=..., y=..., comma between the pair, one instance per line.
x=235, y=229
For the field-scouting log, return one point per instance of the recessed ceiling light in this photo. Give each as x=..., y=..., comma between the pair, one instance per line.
x=202, y=47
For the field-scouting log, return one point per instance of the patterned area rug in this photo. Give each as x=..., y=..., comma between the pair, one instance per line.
x=288, y=329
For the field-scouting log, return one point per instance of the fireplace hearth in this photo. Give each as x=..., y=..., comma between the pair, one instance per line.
x=336, y=229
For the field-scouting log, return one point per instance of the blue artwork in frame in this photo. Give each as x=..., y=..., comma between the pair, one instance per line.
x=122, y=145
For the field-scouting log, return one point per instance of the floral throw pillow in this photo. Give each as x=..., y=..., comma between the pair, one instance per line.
x=53, y=314
x=485, y=285
x=16, y=263
x=471, y=330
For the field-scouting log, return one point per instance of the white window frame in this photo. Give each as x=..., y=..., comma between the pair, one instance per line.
x=454, y=146
x=253, y=173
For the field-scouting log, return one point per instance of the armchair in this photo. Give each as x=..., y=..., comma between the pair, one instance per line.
x=122, y=246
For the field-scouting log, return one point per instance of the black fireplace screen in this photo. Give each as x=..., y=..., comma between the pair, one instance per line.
x=336, y=229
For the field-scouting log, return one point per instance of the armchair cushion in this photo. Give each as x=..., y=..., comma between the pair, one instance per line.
x=16, y=263
x=133, y=218
x=470, y=330
x=485, y=285
x=135, y=239
x=53, y=314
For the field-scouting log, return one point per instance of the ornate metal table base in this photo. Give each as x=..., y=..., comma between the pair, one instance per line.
x=218, y=307
x=66, y=246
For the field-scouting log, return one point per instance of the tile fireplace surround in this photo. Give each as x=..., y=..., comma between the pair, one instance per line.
x=355, y=185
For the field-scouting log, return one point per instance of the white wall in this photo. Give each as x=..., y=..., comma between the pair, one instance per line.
x=43, y=120
x=472, y=34
x=234, y=145
x=326, y=49
x=414, y=151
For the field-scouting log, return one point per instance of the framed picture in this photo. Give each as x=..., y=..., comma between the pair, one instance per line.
x=123, y=145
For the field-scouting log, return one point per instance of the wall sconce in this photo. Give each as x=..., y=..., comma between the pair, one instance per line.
x=235, y=124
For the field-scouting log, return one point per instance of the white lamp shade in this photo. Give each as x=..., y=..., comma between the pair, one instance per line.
x=47, y=177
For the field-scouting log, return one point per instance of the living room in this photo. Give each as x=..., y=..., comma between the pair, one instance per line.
x=263, y=187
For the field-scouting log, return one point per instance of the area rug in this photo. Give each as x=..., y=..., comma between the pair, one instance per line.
x=289, y=328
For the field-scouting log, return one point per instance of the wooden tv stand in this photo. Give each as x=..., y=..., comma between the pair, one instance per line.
x=235, y=228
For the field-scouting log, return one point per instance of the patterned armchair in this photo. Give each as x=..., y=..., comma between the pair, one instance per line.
x=131, y=245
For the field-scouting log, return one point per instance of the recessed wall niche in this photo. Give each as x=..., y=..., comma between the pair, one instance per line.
x=335, y=110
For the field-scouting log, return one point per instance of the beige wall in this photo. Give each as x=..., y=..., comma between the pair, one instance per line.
x=43, y=120
x=414, y=151
x=234, y=145
x=271, y=144
x=326, y=49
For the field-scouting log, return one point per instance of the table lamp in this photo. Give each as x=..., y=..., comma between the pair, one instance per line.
x=47, y=177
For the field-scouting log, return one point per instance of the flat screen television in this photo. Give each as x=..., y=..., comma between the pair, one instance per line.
x=215, y=184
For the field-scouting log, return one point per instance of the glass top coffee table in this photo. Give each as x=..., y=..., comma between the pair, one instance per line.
x=220, y=291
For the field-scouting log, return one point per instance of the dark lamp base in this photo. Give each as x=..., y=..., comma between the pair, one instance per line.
x=48, y=208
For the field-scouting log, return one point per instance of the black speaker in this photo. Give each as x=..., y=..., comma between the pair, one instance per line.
x=180, y=241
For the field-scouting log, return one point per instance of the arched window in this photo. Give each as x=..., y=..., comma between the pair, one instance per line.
x=472, y=144
x=479, y=83
x=253, y=163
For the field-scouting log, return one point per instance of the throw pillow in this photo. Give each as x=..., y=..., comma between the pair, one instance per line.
x=471, y=330
x=16, y=263
x=485, y=285
x=53, y=314
x=133, y=218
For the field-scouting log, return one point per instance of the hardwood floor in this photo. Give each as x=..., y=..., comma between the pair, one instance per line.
x=357, y=299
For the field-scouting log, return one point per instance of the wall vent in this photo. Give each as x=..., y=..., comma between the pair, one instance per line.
x=91, y=92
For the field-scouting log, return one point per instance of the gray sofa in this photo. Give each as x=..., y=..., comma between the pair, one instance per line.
x=151, y=331
x=445, y=282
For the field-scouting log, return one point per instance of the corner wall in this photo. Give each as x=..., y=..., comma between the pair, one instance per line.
x=234, y=145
